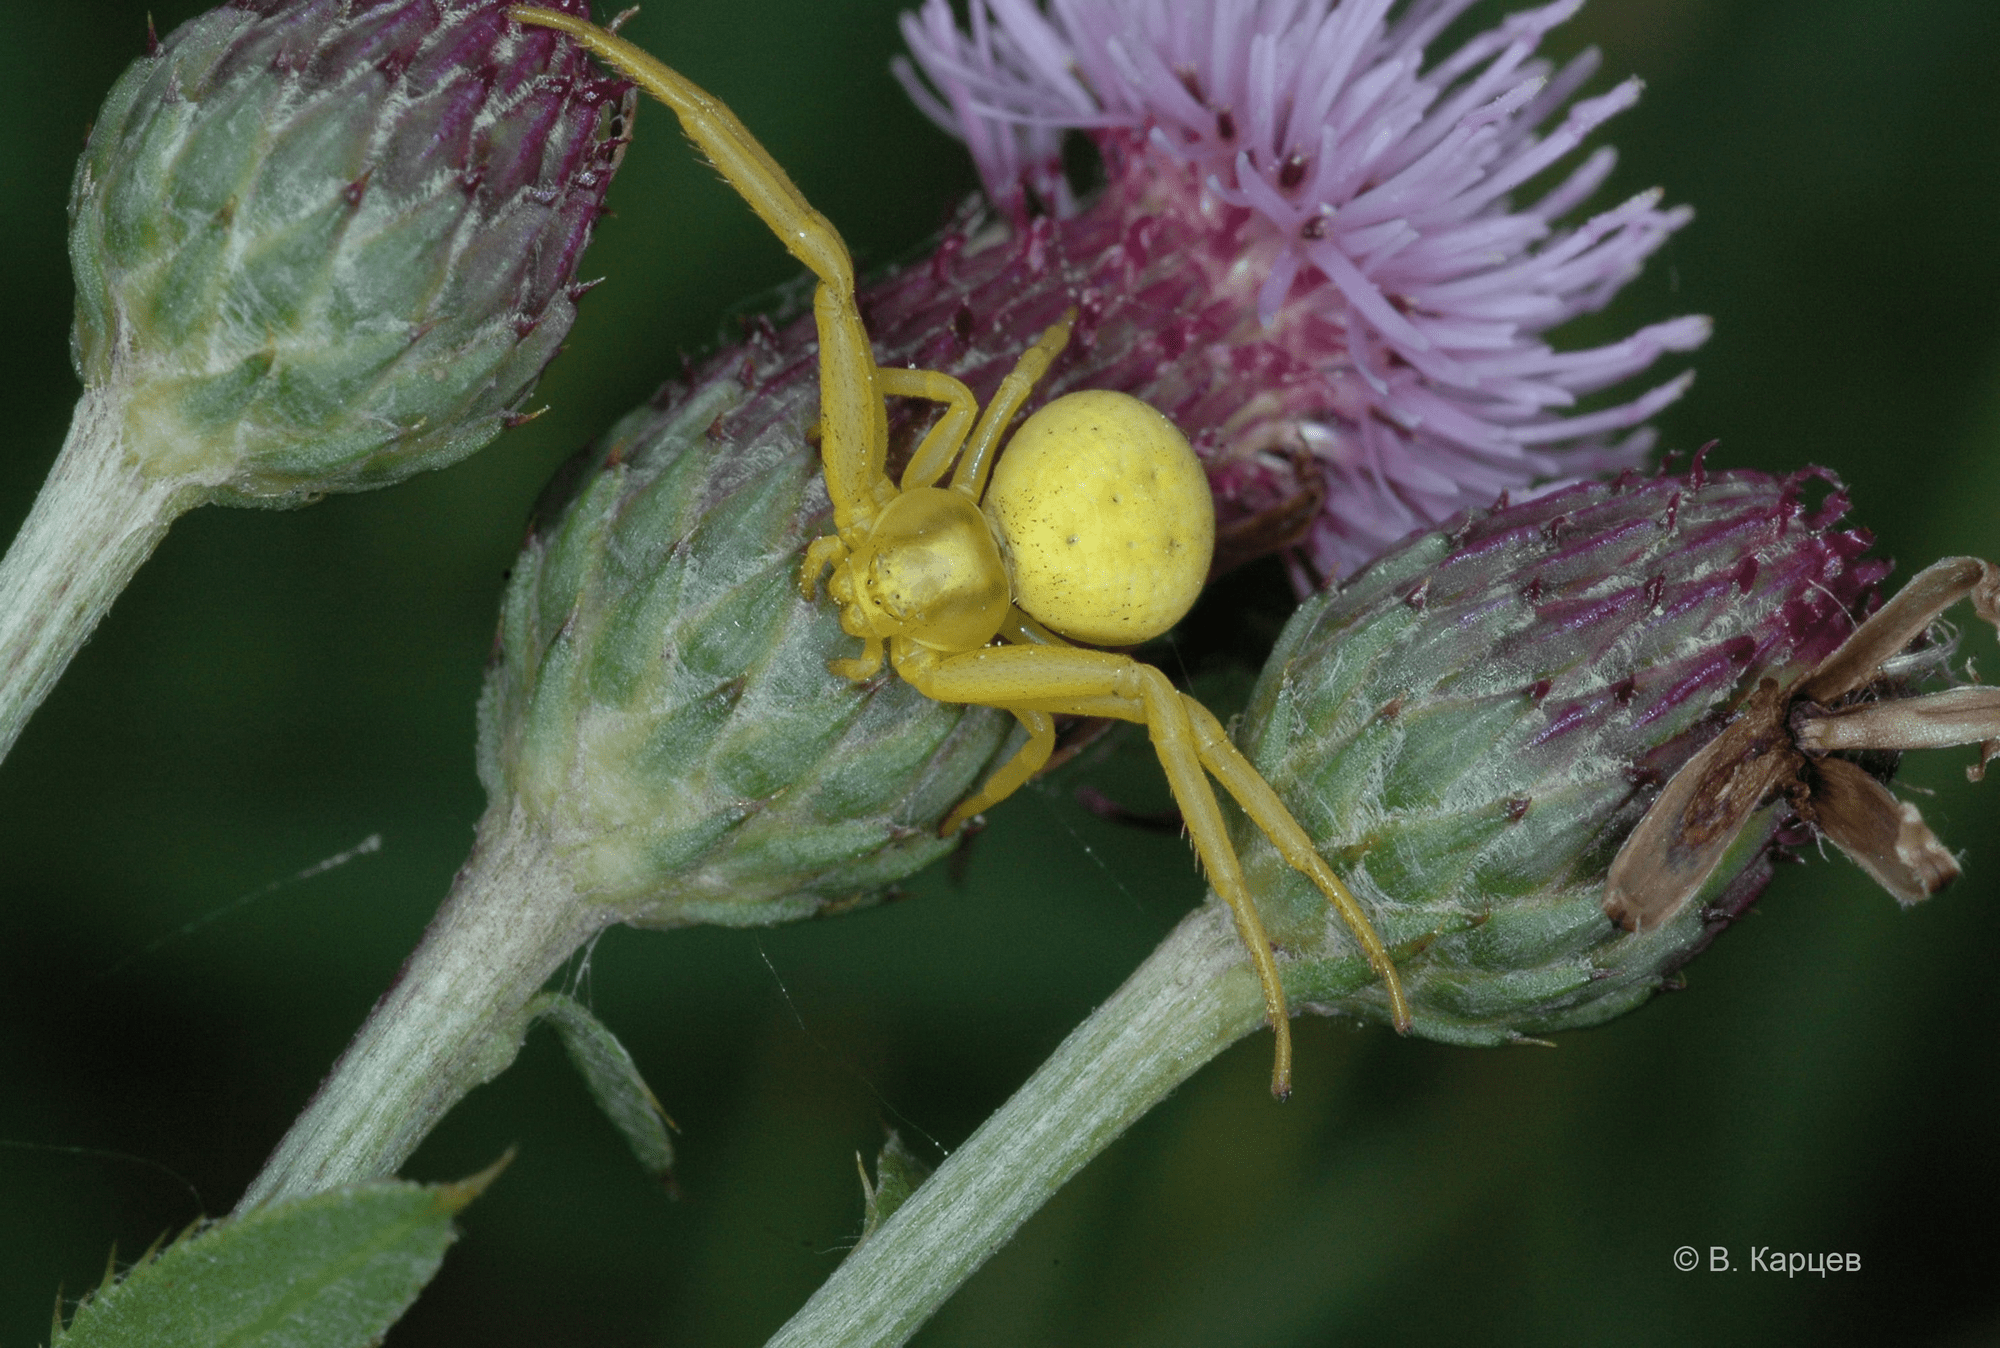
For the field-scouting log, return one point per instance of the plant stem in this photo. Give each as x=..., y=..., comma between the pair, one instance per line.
x=452, y=1020
x=1191, y=999
x=98, y=517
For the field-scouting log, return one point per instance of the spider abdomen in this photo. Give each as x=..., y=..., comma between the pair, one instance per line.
x=1107, y=516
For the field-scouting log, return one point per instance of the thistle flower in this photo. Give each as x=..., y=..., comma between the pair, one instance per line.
x=661, y=743
x=1469, y=729
x=319, y=245
x=1786, y=745
x=659, y=709
x=1349, y=208
x=328, y=245
x=1476, y=723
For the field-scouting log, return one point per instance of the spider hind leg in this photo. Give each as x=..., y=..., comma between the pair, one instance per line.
x=1068, y=679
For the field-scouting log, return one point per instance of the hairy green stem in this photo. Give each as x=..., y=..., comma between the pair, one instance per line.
x=1193, y=998
x=98, y=517
x=452, y=1020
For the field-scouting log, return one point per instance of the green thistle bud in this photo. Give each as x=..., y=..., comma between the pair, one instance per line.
x=320, y=247
x=661, y=744
x=660, y=705
x=1472, y=727
x=1552, y=751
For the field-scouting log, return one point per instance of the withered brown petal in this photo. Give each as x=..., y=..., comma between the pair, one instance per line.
x=1689, y=828
x=1902, y=620
x=1937, y=721
x=1884, y=836
x=1988, y=751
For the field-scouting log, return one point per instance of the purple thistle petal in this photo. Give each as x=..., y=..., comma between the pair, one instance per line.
x=1368, y=199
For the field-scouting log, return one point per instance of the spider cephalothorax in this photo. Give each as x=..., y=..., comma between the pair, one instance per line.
x=928, y=569
x=1096, y=525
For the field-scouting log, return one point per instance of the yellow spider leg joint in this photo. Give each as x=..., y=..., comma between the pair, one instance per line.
x=862, y=666
x=1269, y=814
x=1007, y=400
x=934, y=455
x=1026, y=679
x=736, y=153
x=1012, y=775
x=854, y=432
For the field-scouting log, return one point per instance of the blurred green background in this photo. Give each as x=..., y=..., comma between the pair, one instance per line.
x=275, y=688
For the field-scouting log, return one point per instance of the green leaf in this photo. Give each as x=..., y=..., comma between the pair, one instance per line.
x=898, y=1172
x=331, y=1270
x=614, y=1081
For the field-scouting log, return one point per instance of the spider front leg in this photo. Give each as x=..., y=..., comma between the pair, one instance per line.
x=854, y=431
x=1026, y=679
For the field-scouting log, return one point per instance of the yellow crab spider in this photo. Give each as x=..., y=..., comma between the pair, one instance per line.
x=1097, y=525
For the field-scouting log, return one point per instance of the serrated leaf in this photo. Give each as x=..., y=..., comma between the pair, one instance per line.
x=328, y=1271
x=898, y=1172
x=614, y=1081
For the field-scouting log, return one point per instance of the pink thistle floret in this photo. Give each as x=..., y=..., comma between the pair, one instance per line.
x=1367, y=204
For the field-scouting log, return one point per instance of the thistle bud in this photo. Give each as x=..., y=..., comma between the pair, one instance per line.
x=321, y=246
x=659, y=704
x=1474, y=725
